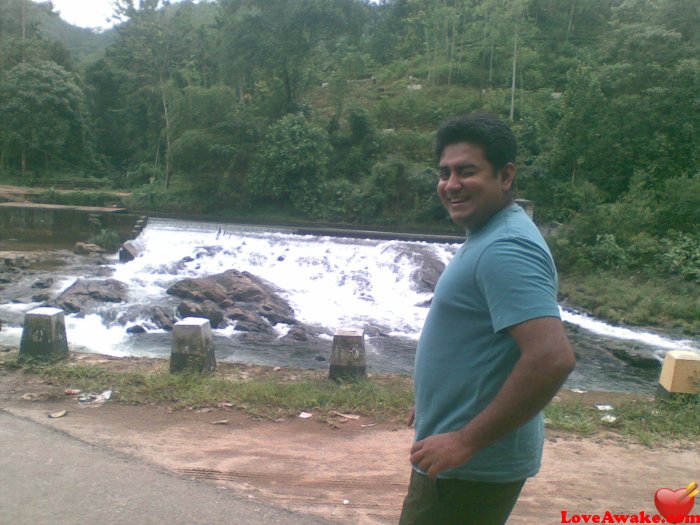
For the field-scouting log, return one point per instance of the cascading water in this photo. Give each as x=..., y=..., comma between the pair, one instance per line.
x=330, y=282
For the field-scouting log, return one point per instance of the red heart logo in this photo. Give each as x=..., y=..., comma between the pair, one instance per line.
x=674, y=505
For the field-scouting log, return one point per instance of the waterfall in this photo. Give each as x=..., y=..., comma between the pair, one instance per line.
x=330, y=282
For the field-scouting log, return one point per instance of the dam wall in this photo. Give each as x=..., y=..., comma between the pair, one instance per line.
x=43, y=222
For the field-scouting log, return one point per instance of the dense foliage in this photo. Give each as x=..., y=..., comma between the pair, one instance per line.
x=325, y=109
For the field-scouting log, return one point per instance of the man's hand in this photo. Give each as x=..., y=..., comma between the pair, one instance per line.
x=411, y=416
x=440, y=452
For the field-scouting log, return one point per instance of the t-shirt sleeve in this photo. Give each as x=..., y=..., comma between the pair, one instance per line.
x=519, y=281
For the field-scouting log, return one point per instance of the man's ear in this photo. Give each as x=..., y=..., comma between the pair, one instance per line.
x=507, y=177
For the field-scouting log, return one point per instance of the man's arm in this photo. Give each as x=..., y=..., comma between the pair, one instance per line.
x=546, y=359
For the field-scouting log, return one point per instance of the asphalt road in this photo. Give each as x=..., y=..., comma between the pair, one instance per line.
x=50, y=478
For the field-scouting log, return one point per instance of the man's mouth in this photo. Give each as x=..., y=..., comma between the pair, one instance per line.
x=459, y=200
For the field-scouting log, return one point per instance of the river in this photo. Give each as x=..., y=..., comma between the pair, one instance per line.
x=331, y=282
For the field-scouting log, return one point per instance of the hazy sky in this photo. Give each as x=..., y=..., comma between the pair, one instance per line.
x=85, y=13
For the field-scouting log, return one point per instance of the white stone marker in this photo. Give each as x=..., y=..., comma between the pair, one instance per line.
x=348, y=355
x=192, y=347
x=44, y=334
x=680, y=373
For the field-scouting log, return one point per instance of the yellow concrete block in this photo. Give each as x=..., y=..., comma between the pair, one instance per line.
x=680, y=373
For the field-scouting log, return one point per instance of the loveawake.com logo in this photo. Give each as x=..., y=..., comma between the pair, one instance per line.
x=674, y=506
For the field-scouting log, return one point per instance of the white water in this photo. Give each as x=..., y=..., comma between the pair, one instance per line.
x=330, y=282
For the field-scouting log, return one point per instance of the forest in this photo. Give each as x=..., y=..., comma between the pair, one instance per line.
x=325, y=111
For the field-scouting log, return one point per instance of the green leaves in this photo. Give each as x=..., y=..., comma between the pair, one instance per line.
x=291, y=164
x=43, y=116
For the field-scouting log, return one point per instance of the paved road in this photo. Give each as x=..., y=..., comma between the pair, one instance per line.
x=50, y=478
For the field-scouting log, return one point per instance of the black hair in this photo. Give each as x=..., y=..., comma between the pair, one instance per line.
x=482, y=129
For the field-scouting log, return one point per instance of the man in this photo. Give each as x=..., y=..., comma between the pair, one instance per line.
x=493, y=351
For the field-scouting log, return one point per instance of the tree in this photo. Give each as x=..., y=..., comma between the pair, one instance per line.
x=43, y=117
x=291, y=165
x=152, y=45
x=270, y=44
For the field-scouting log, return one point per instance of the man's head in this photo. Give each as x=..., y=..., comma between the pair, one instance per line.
x=476, y=159
x=481, y=129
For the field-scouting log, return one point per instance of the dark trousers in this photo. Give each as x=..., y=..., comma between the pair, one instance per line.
x=458, y=502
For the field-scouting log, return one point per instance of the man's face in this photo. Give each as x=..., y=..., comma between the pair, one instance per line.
x=467, y=186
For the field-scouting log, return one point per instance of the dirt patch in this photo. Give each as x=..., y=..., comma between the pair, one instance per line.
x=353, y=471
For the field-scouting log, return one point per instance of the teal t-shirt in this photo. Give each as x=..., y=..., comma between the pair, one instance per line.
x=501, y=276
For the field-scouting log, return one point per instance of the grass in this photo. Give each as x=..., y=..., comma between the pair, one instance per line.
x=263, y=392
x=644, y=421
x=670, y=304
x=267, y=395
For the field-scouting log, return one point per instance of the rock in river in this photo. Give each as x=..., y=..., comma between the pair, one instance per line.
x=84, y=294
x=234, y=295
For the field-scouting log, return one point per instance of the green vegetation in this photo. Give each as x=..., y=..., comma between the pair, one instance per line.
x=324, y=111
x=107, y=239
x=638, y=420
x=267, y=393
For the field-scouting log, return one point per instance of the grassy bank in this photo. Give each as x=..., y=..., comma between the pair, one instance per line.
x=671, y=305
x=266, y=392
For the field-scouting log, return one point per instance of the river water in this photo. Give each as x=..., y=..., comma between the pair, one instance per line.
x=331, y=282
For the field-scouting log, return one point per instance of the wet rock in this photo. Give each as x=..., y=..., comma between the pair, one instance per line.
x=16, y=260
x=40, y=297
x=162, y=318
x=637, y=357
x=234, y=295
x=200, y=289
x=136, y=329
x=297, y=333
x=426, y=276
x=43, y=283
x=85, y=294
x=249, y=322
x=207, y=310
x=128, y=252
x=86, y=248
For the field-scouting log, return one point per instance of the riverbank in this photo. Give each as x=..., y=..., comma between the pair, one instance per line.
x=347, y=467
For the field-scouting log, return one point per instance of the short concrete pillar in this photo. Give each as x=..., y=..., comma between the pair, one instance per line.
x=44, y=335
x=680, y=374
x=348, y=355
x=192, y=347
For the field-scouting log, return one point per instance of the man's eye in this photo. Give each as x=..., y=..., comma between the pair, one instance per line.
x=465, y=172
x=444, y=174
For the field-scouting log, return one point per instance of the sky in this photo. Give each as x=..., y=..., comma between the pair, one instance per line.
x=85, y=13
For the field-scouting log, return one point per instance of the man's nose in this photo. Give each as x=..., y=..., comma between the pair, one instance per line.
x=453, y=181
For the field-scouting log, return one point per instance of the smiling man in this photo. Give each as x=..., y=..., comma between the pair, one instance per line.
x=493, y=351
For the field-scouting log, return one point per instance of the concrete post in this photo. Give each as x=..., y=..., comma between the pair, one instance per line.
x=348, y=355
x=680, y=374
x=44, y=335
x=192, y=347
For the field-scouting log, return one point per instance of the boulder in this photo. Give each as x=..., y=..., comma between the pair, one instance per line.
x=17, y=260
x=43, y=283
x=249, y=322
x=87, y=248
x=238, y=296
x=128, y=252
x=84, y=294
x=207, y=310
x=638, y=357
x=162, y=318
x=426, y=276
